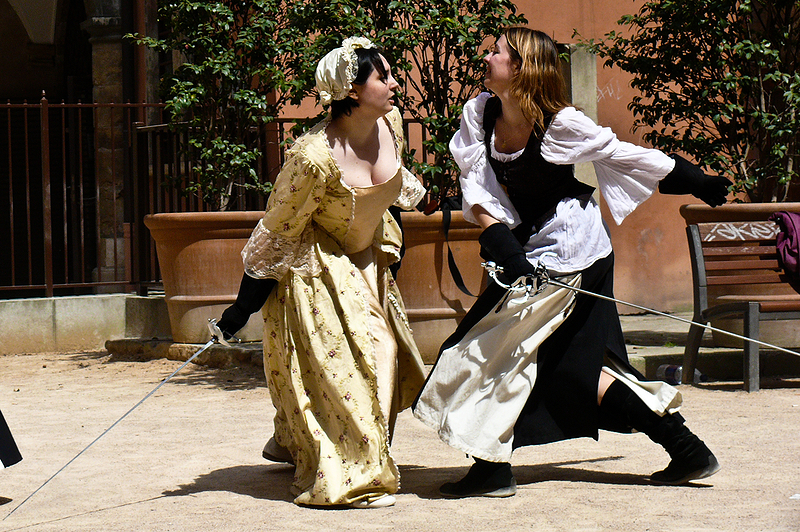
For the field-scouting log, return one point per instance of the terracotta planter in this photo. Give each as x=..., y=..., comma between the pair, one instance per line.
x=201, y=267
x=782, y=333
x=434, y=303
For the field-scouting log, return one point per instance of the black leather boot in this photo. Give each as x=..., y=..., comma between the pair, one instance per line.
x=691, y=459
x=484, y=479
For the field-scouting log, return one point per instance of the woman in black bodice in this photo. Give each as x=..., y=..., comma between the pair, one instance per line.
x=524, y=370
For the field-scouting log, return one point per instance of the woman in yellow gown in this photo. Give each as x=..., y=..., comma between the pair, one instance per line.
x=339, y=356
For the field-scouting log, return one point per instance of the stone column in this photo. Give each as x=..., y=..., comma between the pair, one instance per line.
x=583, y=88
x=105, y=29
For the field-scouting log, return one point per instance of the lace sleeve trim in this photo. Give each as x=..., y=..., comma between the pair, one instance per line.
x=268, y=255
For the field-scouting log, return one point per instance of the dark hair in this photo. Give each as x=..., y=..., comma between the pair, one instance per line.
x=369, y=59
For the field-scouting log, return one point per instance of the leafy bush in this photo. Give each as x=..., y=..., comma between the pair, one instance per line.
x=244, y=60
x=440, y=46
x=239, y=66
x=719, y=81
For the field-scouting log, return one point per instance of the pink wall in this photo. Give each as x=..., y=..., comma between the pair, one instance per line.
x=652, y=258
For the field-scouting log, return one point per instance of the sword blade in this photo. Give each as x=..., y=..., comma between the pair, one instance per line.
x=162, y=383
x=690, y=322
x=543, y=278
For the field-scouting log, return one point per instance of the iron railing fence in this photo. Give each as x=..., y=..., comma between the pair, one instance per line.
x=81, y=177
x=64, y=171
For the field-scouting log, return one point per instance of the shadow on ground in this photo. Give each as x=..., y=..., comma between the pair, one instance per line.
x=659, y=338
x=767, y=383
x=425, y=481
x=245, y=377
x=270, y=482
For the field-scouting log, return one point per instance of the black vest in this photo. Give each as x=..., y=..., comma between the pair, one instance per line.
x=534, y=185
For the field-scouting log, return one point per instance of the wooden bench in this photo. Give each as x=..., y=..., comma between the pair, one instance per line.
x=736, y=274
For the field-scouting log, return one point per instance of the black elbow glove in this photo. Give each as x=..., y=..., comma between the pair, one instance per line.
x=499, y=243
x=687, y=178
x=253, y=293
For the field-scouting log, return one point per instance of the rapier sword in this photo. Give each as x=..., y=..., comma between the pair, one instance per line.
x=216, y=336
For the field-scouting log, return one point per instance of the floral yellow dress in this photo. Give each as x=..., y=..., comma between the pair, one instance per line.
x=339, y=356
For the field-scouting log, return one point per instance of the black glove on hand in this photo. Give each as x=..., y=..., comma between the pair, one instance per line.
x=501, y=245
x=687, y=178
x=253, y=293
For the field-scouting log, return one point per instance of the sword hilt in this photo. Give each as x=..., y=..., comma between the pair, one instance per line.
x=532, y=284
x=218, y=336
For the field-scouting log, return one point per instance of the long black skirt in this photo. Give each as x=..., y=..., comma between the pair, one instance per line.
x=563, y=401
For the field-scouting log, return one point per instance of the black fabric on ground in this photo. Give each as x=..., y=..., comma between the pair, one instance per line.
x=9, y=453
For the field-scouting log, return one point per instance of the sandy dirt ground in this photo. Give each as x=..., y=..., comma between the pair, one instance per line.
x=189, y=459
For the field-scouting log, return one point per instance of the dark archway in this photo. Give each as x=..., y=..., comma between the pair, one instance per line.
x=74, y=53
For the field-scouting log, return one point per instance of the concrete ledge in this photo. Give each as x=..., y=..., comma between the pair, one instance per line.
x=216, y=356
x=79, y=323
x=135, y=326
x=716, y=364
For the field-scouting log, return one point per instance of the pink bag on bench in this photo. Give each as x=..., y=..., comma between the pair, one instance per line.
x=788, y=242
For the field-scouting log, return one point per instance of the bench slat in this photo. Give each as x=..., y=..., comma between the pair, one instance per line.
x=715, y=266
x=737, y=231
x=779, y=306
x=767, y=250
x=791, y=298
x=765, y=278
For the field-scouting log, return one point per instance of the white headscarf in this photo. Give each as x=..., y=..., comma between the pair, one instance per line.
x=337, y=70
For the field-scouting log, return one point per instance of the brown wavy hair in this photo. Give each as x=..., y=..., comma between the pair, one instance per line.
x=539, y=84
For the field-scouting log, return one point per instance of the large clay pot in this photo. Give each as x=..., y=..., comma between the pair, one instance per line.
x=199, y=254
x=434, y=303
x=781, y=333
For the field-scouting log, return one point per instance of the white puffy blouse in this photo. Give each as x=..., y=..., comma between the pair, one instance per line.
x=576, y=236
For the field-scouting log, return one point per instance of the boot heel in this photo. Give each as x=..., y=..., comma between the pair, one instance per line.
x=690, y=458
x=676, y=477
